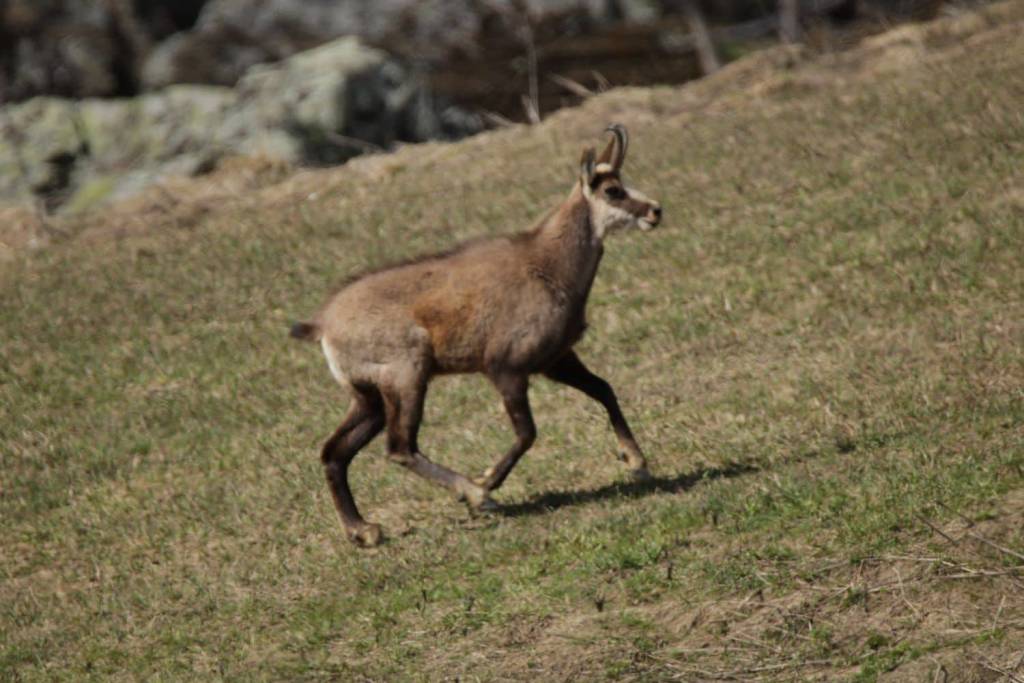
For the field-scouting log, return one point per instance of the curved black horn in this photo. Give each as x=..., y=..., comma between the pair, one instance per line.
x=619, y=131
x=587, y=166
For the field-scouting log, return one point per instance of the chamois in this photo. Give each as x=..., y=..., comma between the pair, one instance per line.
x=507, y=307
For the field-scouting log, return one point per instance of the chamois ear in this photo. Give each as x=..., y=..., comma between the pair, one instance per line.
x=587, y=167
x=615, y=153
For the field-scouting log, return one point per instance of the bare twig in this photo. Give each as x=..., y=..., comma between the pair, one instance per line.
x=906, y=558
x=364, y=145
x=756, y=593
x=767, y=668
x=937, y=530
x=752, y=642
x=992, y=666
x=981, y=573
x=603, y=84
x=531, y=101
x=709, y=62
x=903, y=594
x=692, y=651
x=789, y=21
x=970, y=522
x=530, y=109
x=575, y=87
x=496, y=119
x=996, y=546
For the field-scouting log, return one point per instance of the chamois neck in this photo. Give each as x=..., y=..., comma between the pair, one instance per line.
x=568, y=223
x=568, y=251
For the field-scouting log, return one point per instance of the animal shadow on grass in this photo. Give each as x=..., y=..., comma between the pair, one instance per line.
x=633, y=489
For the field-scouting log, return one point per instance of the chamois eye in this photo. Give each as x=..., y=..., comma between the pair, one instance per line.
x=615, y=192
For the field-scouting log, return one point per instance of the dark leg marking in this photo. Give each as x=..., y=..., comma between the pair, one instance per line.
x=364, y=421
x=514, y=393
x=403, y=408
x=570, y=370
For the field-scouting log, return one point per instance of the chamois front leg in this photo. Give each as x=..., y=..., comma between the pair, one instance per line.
x=570, y=370
x=513, y=388
x=403, y=407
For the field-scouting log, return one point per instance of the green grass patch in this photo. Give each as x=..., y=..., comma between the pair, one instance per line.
x=820, y=347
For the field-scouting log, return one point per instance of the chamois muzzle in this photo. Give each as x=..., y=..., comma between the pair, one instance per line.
x=652, y=218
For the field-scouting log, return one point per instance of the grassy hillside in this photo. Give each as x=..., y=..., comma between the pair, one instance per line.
x=822, y=351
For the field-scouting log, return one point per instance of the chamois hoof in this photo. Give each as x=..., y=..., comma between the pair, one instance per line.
x=485, y=505
x=641, y=474
x=367, y=535
x=477, y=498
x=486, y=480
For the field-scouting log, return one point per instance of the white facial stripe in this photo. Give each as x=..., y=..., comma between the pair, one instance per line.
x=603, y=168
x=606, y=217
x=640, y=196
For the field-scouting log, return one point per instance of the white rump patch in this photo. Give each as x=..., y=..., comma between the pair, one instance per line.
x=332, y=362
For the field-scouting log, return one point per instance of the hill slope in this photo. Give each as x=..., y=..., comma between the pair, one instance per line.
x=821, y=351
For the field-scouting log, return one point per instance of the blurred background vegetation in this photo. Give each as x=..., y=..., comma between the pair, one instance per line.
x=103, y=48
x=135, y=91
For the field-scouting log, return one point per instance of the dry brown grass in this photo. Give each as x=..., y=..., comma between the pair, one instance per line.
x=821, y=351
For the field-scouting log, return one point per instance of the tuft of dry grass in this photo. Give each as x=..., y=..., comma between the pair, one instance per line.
x=820, y=350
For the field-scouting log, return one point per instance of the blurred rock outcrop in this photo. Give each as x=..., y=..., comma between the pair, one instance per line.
x=82, y=48
x=102, y=48
x=99, y=48
x=232, y=35
x=320, y=106
x=71, y=49
x=272, y=77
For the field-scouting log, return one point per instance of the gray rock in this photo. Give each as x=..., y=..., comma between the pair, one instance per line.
x=322, y=106
x=330, y=103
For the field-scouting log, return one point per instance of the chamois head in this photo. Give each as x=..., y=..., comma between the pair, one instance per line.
x=613, y=206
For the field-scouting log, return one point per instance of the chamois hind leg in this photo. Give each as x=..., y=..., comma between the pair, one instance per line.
x=513, y=388
x=364, y=421
x=403, y=408
x=570, y=370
